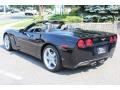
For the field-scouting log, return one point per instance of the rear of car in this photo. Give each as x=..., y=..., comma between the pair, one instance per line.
x=91, y=48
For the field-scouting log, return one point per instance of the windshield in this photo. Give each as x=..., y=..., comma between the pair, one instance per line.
x=48, y=26
x=53, y=26
x=60, y=26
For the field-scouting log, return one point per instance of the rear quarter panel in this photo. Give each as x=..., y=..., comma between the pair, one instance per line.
x=58, y=40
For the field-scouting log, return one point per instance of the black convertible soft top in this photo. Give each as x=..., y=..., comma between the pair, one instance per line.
x=51, y=21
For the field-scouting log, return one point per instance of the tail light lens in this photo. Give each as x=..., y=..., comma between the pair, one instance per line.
x=89, y=42
x=81, y=43
x=114, y=38
x=111, y=39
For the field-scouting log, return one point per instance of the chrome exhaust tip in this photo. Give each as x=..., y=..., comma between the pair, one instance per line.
x=93, y=63
x=101, y=61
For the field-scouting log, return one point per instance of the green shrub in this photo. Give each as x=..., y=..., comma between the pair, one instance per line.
x=66, y=18
x=58, y=17
x=73, y=19
x=37, y=18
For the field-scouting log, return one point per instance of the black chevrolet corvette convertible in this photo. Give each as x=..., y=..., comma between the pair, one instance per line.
x=60, y=45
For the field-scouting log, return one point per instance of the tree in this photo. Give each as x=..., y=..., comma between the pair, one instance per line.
x=39, y=8
x=42, y=8
x=97, y=13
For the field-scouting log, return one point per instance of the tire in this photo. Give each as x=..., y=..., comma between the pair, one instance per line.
x=51, y=58
x=31, y=14
x=7, y=42
x=26, y=14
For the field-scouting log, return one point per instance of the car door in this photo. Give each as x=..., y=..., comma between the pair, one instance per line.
x=30, y=41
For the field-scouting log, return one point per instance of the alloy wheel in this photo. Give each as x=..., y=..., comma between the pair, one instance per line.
x=50, y=58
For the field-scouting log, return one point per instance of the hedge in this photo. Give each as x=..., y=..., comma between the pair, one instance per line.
x=66, y=18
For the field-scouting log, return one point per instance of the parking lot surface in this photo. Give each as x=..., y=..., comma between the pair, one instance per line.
x=19, y=68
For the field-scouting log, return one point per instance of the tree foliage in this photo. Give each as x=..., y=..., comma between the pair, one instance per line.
x=97, y=13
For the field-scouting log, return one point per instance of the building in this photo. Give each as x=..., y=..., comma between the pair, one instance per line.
x=4, y=8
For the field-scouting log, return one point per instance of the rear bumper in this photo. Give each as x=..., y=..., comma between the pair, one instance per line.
x=78, y=57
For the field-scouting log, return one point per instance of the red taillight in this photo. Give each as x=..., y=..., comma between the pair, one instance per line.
x=111, y=39
x=81, y=43
x=114, y=38
x=89, y=42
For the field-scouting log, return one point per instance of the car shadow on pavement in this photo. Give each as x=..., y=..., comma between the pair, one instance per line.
x=25, y=56
x=77, y=70
x=40, y=64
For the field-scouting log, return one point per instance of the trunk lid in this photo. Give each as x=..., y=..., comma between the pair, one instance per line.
x=96, y=36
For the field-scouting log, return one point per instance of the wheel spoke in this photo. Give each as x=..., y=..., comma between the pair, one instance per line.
x=53, y=54
x=50, y=58
x=50, y=54
x=6, y=42
x=46, y=57
x=53, y=62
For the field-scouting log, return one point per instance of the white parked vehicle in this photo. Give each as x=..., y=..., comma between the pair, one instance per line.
x=15, y=10
x=30, y=11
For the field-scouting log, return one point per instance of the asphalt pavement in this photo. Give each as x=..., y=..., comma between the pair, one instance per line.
x=19, y=68
x=13, y=17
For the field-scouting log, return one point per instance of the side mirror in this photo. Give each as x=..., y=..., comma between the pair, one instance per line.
x=21, y=30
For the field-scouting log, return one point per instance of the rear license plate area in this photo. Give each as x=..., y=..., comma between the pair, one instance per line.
x=101, y=50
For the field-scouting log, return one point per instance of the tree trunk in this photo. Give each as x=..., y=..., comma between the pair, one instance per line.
x=4, y=9
x=41, y=10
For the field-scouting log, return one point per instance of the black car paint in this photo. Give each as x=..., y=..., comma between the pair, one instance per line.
x=71, y=56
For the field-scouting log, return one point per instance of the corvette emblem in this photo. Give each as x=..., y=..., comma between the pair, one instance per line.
x=103, y=39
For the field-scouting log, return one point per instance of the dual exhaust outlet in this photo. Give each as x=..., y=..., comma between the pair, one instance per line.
x=90, y=63
x=94, y=63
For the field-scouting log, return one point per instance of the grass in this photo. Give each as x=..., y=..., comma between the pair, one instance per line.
x=28, y=22
x=5, y=23
x=24, y=23
x=9, y=22
x=2, y=24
